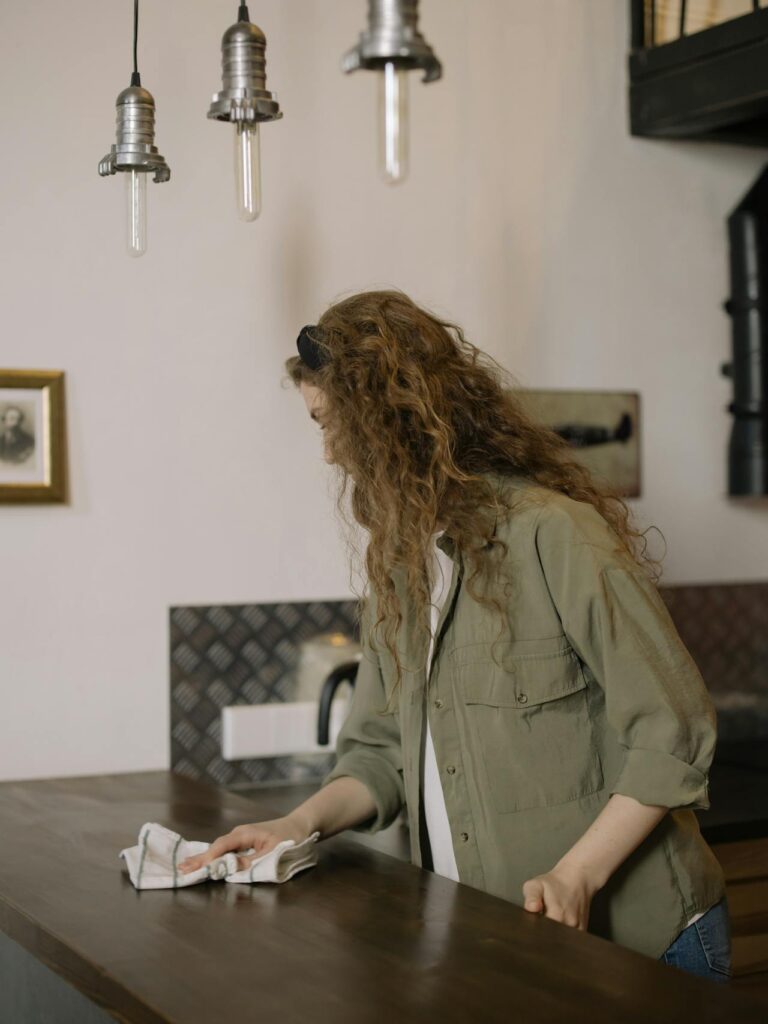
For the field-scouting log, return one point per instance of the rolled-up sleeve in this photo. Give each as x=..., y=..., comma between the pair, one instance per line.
x=368, y=745
x=616, y=621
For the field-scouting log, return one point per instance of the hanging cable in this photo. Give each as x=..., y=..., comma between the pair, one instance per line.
x=135, y=77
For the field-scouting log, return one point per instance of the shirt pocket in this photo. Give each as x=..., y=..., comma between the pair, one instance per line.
x=528, y=722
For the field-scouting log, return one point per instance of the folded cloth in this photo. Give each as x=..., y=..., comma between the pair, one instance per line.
x=152, y=863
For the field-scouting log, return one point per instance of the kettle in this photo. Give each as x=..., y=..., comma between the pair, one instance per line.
x=343, y=673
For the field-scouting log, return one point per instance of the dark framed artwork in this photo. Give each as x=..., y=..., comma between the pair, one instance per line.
x=602, y=427
x=32, y=436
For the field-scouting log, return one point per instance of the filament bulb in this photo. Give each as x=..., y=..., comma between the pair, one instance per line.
x=393, y=123
x=392, y=45
x=135, y=156
x=245, y=102
x=136, y=211
x=247, y=170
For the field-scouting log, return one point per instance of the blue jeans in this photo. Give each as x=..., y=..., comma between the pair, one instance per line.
x=704, y=947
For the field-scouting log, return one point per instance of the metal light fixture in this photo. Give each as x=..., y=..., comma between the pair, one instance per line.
x=244, y=100
x=134, y=152
x=393, y=46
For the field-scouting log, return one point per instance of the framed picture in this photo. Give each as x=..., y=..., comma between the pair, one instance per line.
x=32, y=436
x=602, y=427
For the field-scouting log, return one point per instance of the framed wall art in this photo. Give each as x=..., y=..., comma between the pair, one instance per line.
x=602, y=427
x=32, y=436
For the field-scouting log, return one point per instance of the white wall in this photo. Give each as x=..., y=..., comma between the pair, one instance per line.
x=577, y=256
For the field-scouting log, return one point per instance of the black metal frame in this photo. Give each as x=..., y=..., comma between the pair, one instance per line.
x=748, y=369
x=712, y=84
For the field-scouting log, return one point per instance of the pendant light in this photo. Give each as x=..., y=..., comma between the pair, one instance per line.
x=134, y=153
x=392, y=45
x=245, y=101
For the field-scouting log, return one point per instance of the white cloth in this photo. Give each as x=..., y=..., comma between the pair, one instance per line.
x=438, y=826
x=435, y=813
x=152, y=863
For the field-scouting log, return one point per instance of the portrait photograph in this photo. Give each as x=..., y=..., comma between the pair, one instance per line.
x=32, y=436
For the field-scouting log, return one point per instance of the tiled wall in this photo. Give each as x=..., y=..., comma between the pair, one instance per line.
x=241, y=654
x=725, y=627
x=246, y=654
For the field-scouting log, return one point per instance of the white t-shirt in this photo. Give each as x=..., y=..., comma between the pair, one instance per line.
x=435, y=813
x=438, y=827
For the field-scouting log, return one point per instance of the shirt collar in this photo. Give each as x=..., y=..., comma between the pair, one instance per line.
x=447, y=544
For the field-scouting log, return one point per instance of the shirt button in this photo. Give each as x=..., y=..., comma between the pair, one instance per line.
x=438, y=703
x=523, y=698
x=451, y=769
x=464, y=837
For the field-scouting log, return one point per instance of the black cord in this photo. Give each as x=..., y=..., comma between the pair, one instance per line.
x=242, y=14
x=135, y=77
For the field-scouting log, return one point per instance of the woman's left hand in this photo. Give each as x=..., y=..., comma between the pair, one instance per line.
x=561, y=894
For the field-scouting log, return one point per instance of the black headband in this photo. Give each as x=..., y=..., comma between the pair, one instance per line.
x=311, y=353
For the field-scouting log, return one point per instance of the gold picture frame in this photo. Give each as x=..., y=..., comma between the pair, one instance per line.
x=32, y=436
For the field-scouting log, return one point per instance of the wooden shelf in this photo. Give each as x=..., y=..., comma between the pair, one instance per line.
x=745, y=865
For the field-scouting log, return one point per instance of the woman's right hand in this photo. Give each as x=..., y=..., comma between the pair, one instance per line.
x=263, y=836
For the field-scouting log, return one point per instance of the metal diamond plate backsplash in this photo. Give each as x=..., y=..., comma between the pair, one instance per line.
x=725, y=627
x=242, y=654
x=247, y=654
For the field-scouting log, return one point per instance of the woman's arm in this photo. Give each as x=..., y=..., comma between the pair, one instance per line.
x=564, y=893
x=364, y=790
x=342, y=803
x=617, y=830
x=368, y=746
x=655, y=699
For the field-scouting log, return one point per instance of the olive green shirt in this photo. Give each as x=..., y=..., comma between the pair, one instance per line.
x=590, y=691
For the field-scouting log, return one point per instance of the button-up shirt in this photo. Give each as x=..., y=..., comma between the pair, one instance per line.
x=587, y=690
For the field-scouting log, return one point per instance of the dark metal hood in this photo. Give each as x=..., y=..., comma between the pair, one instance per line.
x=711, y=84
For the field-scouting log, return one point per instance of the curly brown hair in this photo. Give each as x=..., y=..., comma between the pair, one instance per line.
x=415, y=414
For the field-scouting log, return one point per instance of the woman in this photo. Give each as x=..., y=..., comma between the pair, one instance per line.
x=551, y=735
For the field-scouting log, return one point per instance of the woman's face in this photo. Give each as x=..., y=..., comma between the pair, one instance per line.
x=314, y=400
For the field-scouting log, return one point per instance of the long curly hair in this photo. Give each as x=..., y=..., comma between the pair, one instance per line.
x=414, y=414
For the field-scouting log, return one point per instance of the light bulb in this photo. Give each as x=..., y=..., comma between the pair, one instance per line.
x=392, y=45
x=245, y=101
x=136, y=211
x=393, y=123
x=247, y=170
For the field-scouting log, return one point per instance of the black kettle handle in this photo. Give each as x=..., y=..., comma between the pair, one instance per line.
x=344, y=673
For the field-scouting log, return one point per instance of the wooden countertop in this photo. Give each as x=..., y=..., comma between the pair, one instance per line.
x=361, y=937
